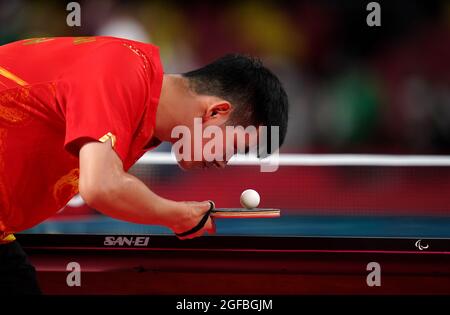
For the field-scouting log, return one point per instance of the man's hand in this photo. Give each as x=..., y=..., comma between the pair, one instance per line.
x=193, y=213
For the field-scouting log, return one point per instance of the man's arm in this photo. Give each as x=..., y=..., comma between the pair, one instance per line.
x=105, y=186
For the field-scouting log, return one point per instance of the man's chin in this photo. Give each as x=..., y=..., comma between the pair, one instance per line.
x=189, y=165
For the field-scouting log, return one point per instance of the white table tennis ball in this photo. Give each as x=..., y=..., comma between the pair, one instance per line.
x=250, y=198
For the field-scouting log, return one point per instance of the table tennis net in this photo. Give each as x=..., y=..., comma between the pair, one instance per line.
x=313, y=184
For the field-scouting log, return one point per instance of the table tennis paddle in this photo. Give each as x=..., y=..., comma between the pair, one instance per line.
x=224, y=213
x=228, y=213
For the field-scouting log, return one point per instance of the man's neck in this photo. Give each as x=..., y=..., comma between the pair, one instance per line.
x=166, y=114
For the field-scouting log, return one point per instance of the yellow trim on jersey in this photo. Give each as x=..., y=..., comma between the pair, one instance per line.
x=108, y=136
x=12, y=77
x=8, y=238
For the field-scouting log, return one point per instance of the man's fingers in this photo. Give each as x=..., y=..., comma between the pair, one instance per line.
x=206, y=206
x=202, y=209
x=191, y=236
x=203, y=205
x=210, y=226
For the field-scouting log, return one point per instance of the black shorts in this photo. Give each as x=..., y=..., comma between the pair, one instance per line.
x=17, y=275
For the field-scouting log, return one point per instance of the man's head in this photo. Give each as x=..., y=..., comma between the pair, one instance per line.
x=234, y=90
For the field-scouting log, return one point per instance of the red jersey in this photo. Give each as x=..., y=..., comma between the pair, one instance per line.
x=58, y=93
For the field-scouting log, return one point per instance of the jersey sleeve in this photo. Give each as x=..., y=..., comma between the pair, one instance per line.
x=106, y=99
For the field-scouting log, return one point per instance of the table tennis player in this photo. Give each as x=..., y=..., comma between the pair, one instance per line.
x=77, y=113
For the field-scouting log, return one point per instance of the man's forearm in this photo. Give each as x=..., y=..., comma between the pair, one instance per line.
x=131, y=200
x=105, y=186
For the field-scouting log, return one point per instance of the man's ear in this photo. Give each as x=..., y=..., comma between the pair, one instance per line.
x=219, y=110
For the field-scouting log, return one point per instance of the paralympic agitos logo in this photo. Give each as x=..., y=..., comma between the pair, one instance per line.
x=131, y=241
x=421, y=246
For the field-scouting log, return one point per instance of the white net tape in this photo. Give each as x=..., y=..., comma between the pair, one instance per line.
x=167, y=158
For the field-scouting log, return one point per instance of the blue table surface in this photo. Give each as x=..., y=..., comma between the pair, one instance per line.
x=288, y=225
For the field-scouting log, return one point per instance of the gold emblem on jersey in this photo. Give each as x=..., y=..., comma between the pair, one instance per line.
x=83, y=40
x=33, y=41
x=67, y=186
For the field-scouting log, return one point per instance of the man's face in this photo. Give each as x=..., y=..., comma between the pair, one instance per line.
x=212, y=145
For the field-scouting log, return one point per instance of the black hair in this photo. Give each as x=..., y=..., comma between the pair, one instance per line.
x=256, y=94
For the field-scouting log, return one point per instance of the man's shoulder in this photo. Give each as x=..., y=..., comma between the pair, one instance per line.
x=126, y=52
x=117, y=44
